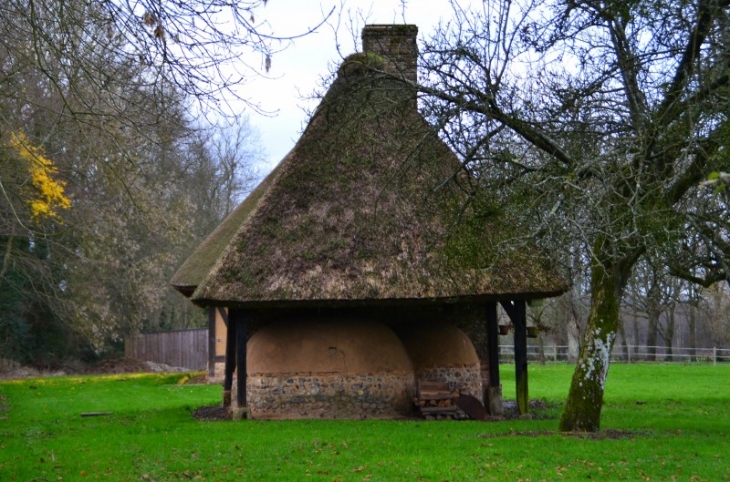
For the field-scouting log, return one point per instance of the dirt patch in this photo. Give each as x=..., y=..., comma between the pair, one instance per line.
x=608, y=434
x=200, y=379
x=539, y=410
x=117, y=365
x=211, y=413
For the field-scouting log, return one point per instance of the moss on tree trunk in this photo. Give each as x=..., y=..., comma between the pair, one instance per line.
x=582, y=410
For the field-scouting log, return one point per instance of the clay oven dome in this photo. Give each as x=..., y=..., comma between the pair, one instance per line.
x=328, y=368
x=442, y=352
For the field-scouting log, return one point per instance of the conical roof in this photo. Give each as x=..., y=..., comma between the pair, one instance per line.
x=363, y=209
x=203, y=258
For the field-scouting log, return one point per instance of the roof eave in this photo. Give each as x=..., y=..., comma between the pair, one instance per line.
x=352, y=303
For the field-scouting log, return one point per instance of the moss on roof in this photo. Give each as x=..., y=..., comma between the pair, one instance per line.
x=360, y=63
x=202, y=260
x=363, y=209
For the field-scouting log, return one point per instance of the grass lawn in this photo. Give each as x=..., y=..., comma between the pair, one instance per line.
x=660, y=422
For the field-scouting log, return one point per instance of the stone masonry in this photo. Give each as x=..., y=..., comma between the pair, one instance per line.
x=330, y=396
x=468, y=379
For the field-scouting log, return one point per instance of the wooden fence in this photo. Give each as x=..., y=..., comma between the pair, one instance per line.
x=180, y=348
x=632, y=353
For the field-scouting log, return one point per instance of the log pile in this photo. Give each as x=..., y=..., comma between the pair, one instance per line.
x=436, y=401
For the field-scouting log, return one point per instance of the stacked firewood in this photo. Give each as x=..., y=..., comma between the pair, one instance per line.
x=436, y=401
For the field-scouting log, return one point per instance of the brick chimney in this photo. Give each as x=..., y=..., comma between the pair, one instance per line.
x=396, y=44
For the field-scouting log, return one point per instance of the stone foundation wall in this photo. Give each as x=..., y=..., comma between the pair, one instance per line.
x=219, y=373
x=329, y=396
x=467, y=379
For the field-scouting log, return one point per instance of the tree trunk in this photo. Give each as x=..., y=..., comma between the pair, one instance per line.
x=573, y=337
x=669, y=333
x=653, y=312
x=652, y=336
x=6, y=256
x=692, y=332
x=625, y=343
x=582, y=410
x=637, y=336
x=541, y=348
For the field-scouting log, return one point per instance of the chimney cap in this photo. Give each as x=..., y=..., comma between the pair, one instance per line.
x=396, y=43
x=391, y=28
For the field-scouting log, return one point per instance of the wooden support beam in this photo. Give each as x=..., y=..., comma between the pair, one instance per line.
x=240, y=320
x=230, y=360
x=493, y=344
x=520, y=338
x=211, y=341
x=493, y=393
x=517, y=312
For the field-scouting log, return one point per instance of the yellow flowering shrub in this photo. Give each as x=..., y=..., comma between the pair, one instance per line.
x=48, y=195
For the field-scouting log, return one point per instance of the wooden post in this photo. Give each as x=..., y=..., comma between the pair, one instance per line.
x=211, y=340
x=240, y=320
x=493, y=344
x=493, y=393
x=520, y=339
x=230, y=360
x=517, y=312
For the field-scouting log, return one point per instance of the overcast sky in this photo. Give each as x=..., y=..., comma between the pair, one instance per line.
x=297, y=71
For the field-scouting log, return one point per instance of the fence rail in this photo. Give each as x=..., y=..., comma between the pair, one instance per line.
x=624, y=353
x=180, y=348
x=189, y=349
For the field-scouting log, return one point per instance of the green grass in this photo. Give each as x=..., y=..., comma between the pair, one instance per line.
x=661, y=422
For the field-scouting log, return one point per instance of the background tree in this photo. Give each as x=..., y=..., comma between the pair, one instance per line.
x=104, y=92
x=653, y=295
x=717, y=313
x=598, y=121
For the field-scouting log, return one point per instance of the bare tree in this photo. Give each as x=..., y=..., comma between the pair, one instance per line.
x=106, y=91
x=717, y=313
x=595, y=121
x=235, y=150
x=653, y=295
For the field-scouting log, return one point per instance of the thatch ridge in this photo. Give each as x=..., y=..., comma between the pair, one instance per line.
x=362, y=209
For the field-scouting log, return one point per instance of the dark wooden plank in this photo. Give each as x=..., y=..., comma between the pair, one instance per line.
x=436, y=395
x=211, y=341
x=239, y=318
x=472, y=407
x=434, y=410
x=517, y=312
x=493, y=344
x=230, y=355
x=426, y=385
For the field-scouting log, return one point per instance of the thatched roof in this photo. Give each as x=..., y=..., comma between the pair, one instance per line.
x=201, y=261
x=364, y=208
